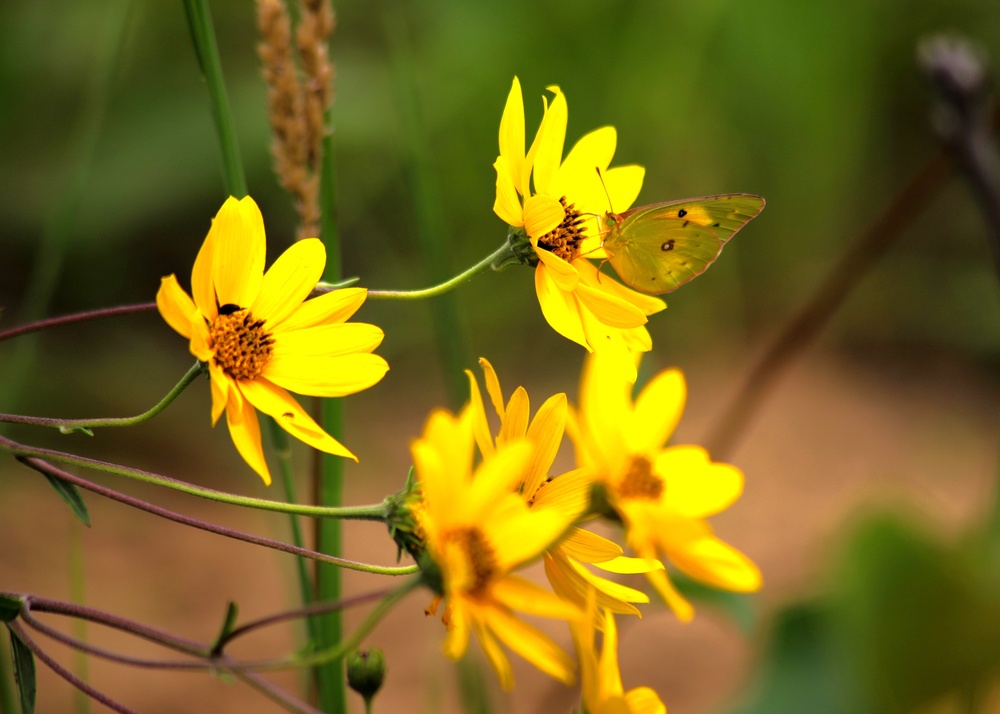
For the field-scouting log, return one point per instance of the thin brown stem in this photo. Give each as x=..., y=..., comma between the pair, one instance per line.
x=85, y=316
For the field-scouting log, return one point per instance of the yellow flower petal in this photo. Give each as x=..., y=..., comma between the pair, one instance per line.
x=657, y=411
x=525, y=537
x=611, y=343
x=326, y=375
x=344, y=338
x=643, y=700
x=589, y=275
x=589, y=547
x=568, y=494
x=498, y=476
x=559, y=308
x=237, y=238
x=515, y=418
x=525, y=596
x=329, y=308
x=609, y=309
x=711, y=561
x=459, y=630
x=512, y=138
x=531, y=644
x=480, y=424
x=562, y=273
x=697, y=487
x=542, y=214
x=546, y=151
x=221, y=386
x=546, y=433
x=506, y=205
x=681, y=607
x=496, y=656
x=202, y=287
x=176, y=306
x=623, y=184
x=245, y=432
x=289, y=281
x=630, y=566
x=574, y=583
x=492, y=386
x=279, y=404
x=577, y=176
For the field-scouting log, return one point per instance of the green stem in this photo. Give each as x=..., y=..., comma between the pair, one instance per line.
x=68, y=426
x=373, y=512
x=488, y=263
x=203, y=34
x=337, y=653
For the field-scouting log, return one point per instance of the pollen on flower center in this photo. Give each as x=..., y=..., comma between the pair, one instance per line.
x=640, y=481
x=475, y=556
x=564, y=240
x=240, y=344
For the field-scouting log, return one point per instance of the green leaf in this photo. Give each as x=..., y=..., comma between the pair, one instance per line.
x=24, y=672
x=232, y=612
x=10, y=607
x=71, y=496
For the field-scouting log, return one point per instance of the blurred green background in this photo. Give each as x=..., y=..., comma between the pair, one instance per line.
x=817, y=106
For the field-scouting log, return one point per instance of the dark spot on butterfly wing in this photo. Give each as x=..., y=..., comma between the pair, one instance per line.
x=667, y=246
x=681, y=213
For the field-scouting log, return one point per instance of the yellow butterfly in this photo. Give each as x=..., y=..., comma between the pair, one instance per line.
x=659, y=247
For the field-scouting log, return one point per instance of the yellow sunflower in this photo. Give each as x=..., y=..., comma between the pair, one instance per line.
x=601, y=677
x=261, y=337
x=561, y=220
x=568, y=494
x=663, y=495
x=477, y=531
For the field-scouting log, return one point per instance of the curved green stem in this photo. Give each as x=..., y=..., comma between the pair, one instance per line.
x=203, y=35
x=68, y=426
x=491, y=262
x=338, y=652
x=374, y=512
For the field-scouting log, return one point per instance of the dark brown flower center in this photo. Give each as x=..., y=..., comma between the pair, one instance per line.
x=640, y=482
x=564, y=240
x=478, y=557
x=240, y=344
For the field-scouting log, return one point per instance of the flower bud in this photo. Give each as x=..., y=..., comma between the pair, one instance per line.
x=366, y=672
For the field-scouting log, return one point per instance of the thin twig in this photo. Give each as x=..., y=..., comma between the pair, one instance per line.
x=85, y=316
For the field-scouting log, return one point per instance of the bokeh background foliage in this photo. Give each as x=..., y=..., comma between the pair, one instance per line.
x=818, y=106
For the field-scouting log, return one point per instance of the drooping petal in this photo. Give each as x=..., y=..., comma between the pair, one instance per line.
x=507, y=205
x=200, y=338
x=496, y=656
x=531, y=644
x=542, y=214
x=559, y=308
x=279, y=404
x=244, y=428
x=329, y=308
x=459, y=629
x=589, y=274
x=574, y=583
x=715, y=563
x=480, y=424
x=238, y=252
x=288, y=282
x=610, y=675
x=657, y=412
x=221, y=386
x=681, y=607
x=525, y=596
x=563, y=274
x=326, y=376
x=176, y=306
x=609, y=309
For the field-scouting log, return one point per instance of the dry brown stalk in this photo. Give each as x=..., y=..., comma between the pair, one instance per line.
x=298, y=101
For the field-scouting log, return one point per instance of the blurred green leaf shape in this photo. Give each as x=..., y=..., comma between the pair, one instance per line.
x=71, y=496
x=10, y=607
x=24, y=672
x=737, y=606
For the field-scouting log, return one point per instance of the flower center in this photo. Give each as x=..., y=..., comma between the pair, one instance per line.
x=241, y=345
x=564, y=240
x=640, y=482
x=473, y=559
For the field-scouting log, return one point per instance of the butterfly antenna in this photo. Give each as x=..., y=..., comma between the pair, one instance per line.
x=600, y=175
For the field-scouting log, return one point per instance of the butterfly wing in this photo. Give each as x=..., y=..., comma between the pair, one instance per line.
x=658, y=248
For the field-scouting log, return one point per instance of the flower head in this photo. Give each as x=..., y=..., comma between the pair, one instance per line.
x=477, y=530
x=663, y=495
x=568, y=494
x=560, y=219
x=262, y=338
